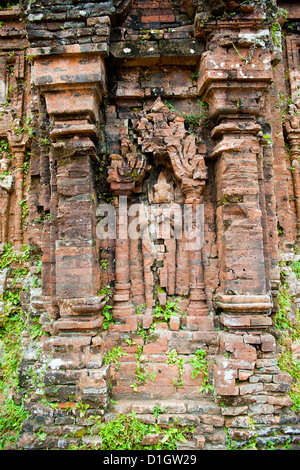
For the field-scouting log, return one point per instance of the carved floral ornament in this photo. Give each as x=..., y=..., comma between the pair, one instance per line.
x=162, y=133
x=292, y=120
x=6, y=179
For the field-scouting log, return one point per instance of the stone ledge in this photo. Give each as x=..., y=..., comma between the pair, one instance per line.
x=244, y=303
x=99, y=48
x=80, y=325
x=246, y=321
x=7, y=14
x=164, y=51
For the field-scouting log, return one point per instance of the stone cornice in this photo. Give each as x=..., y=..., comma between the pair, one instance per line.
x=69, y=49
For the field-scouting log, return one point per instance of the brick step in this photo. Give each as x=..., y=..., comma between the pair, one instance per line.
x=203, y=417
x=154, y=380
x=152, y=391
x=202, y=406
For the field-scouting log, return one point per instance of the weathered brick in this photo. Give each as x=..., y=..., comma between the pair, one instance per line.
x=250, y=388
x=104, y=129
x=217, y=421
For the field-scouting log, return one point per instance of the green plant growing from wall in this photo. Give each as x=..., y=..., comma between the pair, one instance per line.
x=287, y=363
x=140, y=374
x=4, y=147
x=268, y=139
x=146, y=334
x=103, y=262
x=245, y=59
x=281, y=320
x=157, y=410
x=174, y=358
x=276, y=28
x=17, y=263
x=295, y=266
x=12, y=415
x=10, y=256
x=13, y=322
x=126, y=432
x=107, y=309
x=194, y=120
x=36, y=329
x=200, y=367
x=114, y=355
x=289, y=327
x=140, y=309
x=24, y=211
x=108, y=316
x=165, y=313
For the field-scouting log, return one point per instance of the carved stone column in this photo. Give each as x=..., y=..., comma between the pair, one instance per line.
x=292, y=120
x=73, y=82
x=122, y=305
x=123, y=175
x=6, y=182
x=192, y=190
x=233, y=84
x=292, y=125
x=73, y=85
x=18, y=143
x=190, y=172
x=3, y=71
x=19, y=154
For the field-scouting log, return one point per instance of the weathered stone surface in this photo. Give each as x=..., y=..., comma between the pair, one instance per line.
x=152, y=109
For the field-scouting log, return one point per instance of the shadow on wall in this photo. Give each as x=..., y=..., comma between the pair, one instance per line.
x=8, y=4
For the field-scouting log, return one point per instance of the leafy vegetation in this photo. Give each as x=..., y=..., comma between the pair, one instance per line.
x=290, y=365
x=193, y=120
x=9, y=4
x=113, y=356
x=174, y=358
x=107, y=309
x=4, y=147
x=165, y=313
x=13, y=322
x=17, y=263
x=289, y=327
x=9, y=256
x=200, y=367
x=128, y=432
x=140, y=374
x=11, y=414
x=282, y=320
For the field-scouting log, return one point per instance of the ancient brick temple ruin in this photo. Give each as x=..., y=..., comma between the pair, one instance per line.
x=118, y=104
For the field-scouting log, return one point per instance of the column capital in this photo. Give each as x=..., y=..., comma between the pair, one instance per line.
x=212, y=17
x=248, y=81
x=80, y=315
x=125, y=173
x=73, y=82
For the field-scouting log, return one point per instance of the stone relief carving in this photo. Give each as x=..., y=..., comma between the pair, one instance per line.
x=292, y=127
x=162, y=190
x=158, y=229
x=6, y=179
x=6, y=182
x=178, y=175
